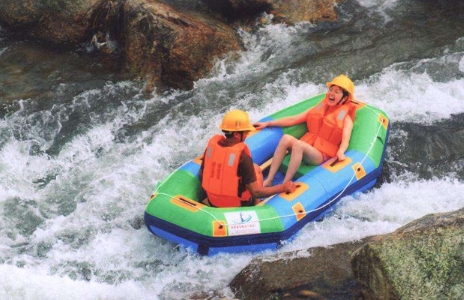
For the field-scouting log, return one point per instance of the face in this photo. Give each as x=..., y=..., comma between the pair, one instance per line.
x=334, y=95
x=245, y=134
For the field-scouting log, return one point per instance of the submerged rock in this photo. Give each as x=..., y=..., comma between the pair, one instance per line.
x=438, y=148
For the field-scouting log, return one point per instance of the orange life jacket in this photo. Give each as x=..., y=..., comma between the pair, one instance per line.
x=325, y=126
x=220, y=179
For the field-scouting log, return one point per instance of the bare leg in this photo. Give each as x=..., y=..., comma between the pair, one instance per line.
x=295, y=160
x=300, y=151
x=285, y=143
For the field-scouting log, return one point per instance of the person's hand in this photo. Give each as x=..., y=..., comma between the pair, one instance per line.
x=260, y=125
x=341, y=156
x=289, y=187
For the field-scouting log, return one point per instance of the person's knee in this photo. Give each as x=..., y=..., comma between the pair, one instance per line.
x=286, y=140
x=287, y=137
x=297, y=147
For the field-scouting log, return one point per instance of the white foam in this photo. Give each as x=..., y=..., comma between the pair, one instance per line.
x=412, y=97
x=381, y=7
x=461, y=65
x=379, y=4
x=381, y=210
x=26, y=284
x=20, y=169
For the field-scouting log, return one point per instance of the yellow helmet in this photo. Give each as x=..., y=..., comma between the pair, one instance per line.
x=236, y=120
x=344, y=82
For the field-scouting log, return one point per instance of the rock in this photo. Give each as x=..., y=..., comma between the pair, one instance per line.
x=169, y=47
x=58, y=22
x=148, y=39
x=243, y=10
x=422, y=260
x=161, y=42
x=289, y=12
x=317, y=273
x=435, y=147
x=309, y=294
x=314, y=11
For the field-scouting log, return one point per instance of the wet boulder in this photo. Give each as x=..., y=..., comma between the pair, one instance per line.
x=146, y=39
x=55, y=21
x=166, y=43
x=422, y=260
x=171, y=47
x=289, y=12
x=316, y=273
x=438, y=148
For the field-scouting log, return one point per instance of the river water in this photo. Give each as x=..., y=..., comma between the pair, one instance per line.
x=81, y=150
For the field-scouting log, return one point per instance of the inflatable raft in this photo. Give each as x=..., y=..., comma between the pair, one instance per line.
x=176, y=213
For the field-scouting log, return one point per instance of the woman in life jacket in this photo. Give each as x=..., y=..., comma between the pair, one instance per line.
x=228, y=174
x=329, y=130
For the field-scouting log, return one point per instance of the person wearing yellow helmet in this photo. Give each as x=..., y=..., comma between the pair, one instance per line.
x=329, y=130
x=228, y=174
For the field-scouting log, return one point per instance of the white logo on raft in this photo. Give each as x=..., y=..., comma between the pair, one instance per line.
x=241, y=223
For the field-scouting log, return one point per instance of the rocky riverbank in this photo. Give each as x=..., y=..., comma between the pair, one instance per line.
x=421, y=260
x=168, y=44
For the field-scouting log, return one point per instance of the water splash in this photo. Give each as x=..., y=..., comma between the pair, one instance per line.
x=383, y=8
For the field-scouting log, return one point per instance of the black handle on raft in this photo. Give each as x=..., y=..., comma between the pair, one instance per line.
x=334, y=162
x=296, y=186
x=186, y=201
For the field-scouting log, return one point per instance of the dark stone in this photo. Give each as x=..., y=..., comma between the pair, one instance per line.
x=325, y=272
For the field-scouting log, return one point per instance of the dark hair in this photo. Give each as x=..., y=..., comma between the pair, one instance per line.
x=345, y=94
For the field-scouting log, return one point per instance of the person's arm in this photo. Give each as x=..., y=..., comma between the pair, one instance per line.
x=346, y=136
x=200, y=174
x=257, y=191
x=284, y=122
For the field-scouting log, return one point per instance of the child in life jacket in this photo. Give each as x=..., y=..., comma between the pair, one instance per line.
x=329, y=130
x=228, y=174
